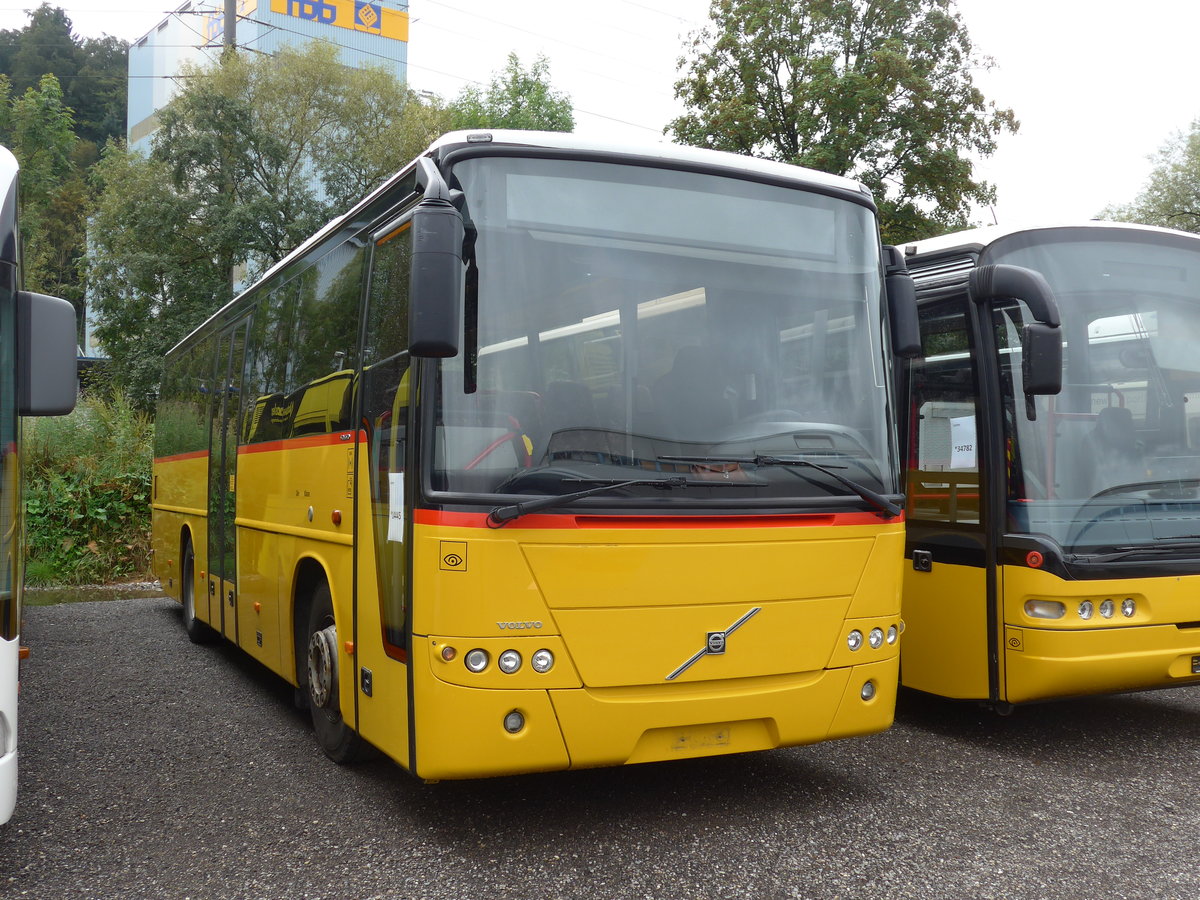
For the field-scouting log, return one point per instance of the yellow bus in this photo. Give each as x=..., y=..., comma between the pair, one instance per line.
x=37, y=378
x=1054, y=533
x=554, y=454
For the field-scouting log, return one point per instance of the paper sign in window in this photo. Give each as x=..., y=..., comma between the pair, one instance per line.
x=396, y=507
x=962, y=443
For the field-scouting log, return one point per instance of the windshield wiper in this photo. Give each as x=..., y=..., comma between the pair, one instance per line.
x=876, y=499
x=502, y=515
x=1146, y=551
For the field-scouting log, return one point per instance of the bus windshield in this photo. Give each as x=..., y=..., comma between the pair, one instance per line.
x=631, y=315
x=1112, y=464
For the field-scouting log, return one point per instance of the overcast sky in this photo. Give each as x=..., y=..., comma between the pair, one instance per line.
x=1098, y=85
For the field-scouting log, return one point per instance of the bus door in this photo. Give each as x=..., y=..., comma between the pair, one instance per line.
x=222, y=483
x=383, y=494
x=946, y=640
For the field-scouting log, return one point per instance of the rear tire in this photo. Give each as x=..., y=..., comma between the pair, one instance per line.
x=340, y=742
x=198, y=632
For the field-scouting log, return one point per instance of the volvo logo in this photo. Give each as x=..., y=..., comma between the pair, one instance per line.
x=517, y=626
x=714, y=643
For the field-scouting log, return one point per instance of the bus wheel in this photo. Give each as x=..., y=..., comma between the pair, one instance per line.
x=197, y=631
x=339, y=741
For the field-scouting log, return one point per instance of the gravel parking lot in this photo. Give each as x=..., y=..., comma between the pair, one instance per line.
x=151, y=767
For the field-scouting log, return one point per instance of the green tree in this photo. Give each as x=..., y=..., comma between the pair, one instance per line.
x=93, y=72
x=515, y=98
x=250, y=158
x=1171, y=197
x=878, y=90
x=39, y=129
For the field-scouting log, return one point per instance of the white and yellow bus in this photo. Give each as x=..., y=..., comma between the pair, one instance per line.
x=553, y=454
x=37, y=378
x=1054, y=534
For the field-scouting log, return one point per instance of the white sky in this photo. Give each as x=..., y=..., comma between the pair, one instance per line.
x=1097, y=85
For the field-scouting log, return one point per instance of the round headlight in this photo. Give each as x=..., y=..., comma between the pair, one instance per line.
x=868, y=691
x=509, y=662
x=1128, y=607
x=514, y=722
x=542, y=661
x=854, y=639
x=875, y=638
x=477, y=660
x=1086, y=609
x=1107, y=608
x=892, y=634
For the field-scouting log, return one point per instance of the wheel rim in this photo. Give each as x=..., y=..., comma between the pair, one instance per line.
x=321, y=666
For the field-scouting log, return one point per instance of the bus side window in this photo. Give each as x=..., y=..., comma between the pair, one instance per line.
x=385, y=400
x=943, y=467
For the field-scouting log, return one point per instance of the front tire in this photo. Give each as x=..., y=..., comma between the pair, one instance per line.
x=340, y=742
x=198, y=632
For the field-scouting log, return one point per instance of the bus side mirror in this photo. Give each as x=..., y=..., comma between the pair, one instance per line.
x=902, y=314
x=47, y=361
x=1041, y=359
x=436, y=280
x=901, y=305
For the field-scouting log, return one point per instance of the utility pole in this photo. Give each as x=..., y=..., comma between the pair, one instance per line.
x=227, y=55
x=230, y=25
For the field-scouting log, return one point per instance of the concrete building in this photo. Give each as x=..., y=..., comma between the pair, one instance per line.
x=366, y=33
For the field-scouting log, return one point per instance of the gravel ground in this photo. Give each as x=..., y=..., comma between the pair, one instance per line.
x=151, y=767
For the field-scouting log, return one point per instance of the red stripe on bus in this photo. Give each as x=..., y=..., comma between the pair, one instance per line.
x=533, y=520
x=338, y=438
x=195, y=454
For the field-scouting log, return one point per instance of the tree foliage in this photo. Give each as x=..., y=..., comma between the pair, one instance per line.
x=250, y=158
x=92, y=71
x=515, y=98
x=1171, y=197
x=39, y=129
x=878, y=90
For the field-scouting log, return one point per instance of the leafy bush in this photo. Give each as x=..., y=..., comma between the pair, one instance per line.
x=87, y=494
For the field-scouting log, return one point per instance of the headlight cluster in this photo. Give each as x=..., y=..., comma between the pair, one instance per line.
x=509, y=662
x=1086, y=609
x=875, y=638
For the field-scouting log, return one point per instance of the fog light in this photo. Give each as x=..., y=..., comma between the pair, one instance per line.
x=448, y=653
x=542, y=661
x=875, y=638
x=868, y=690
x=477, y=660
x=854, y=639
x=509, y=662
x=1128, y=607
x=1086, y=609
x=514, y=722
x=1045, y=609
x=1107, y=608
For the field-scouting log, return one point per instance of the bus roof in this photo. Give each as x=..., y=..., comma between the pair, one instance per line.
x=663, y=151
x=977, y=239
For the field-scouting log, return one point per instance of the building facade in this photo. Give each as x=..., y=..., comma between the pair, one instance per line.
x=366, y=33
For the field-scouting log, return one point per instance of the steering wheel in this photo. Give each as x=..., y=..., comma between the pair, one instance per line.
x=514, y=436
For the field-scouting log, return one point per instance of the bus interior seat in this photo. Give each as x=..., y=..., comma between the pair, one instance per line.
x=691, y=397
x=1115, y=455
x=566, y=405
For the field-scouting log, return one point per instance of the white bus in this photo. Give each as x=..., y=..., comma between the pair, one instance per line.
x=37, y=378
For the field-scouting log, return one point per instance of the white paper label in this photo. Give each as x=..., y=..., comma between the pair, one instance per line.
x=396, y=507
x=962, y=442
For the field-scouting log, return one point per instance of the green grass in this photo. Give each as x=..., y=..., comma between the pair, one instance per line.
x=87, y=494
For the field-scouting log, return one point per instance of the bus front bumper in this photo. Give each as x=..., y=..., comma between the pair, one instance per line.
x=1042, y=664
x=584, y=728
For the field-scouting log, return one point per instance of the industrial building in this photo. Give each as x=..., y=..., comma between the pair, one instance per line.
x=366, y=33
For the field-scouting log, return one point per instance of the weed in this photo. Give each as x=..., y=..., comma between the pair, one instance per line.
x=87, y=494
